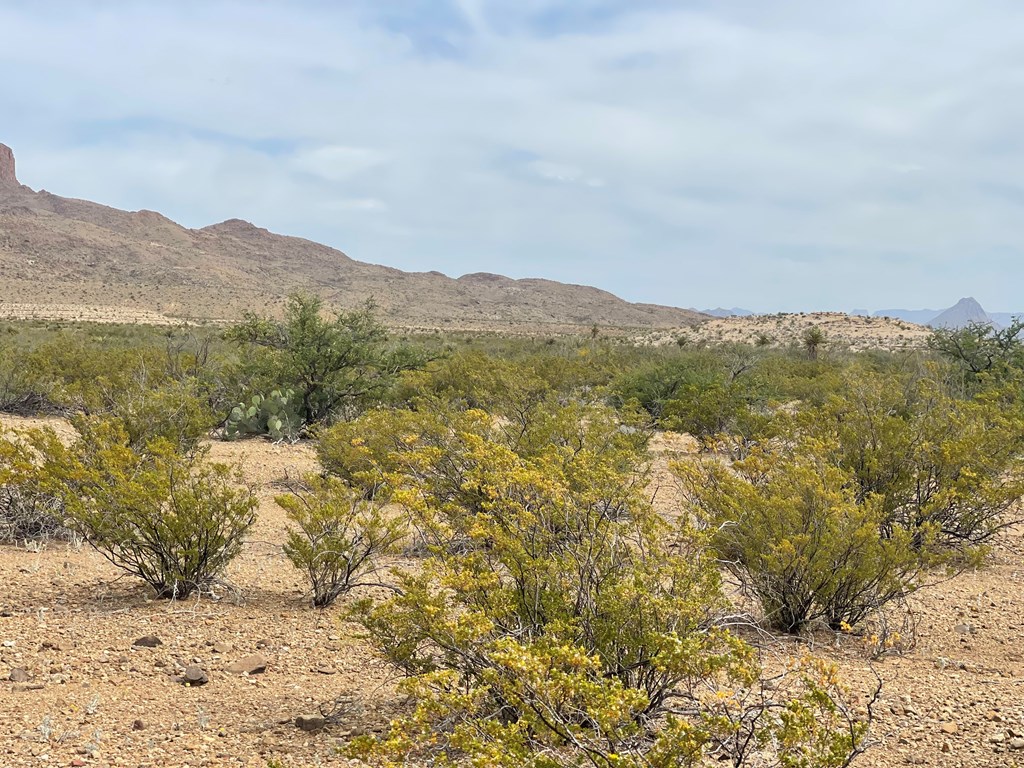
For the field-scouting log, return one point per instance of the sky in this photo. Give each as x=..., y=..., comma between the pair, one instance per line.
x=779, y=156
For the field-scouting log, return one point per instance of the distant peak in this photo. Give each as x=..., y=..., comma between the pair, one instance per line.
x=965, y=312
x=236, y=227
x=968, y=301
x=8, y=178
x=483, y=277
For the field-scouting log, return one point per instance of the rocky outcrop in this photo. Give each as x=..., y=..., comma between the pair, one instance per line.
x=7, y=176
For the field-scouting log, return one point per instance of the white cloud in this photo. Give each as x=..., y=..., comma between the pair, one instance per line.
x=337, y=163
x=563, y=173
x=773, y=155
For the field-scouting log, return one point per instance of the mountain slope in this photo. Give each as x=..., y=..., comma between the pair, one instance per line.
x=56, y=250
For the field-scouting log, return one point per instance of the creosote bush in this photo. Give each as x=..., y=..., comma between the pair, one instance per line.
x=172, y=519
x=340, y=536
x=27, y=513
x=789, y=526
x=573, y=625
x=940, y=466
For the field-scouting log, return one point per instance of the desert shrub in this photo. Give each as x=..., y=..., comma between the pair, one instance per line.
x=981, y=351
x=79, y=376
x=473, y=379
x=172, y=519
x=941, y=466
x=383, y=448
x=20, y=392
x=26, y=516
x=790, y=527
x=340, y=536
x=335, y=365
x=173, y=410
x=575, y=626
x=365, y=453
x=27, y=513
x=706, y=393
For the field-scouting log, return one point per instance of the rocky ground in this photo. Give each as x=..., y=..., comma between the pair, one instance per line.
x=80, y=688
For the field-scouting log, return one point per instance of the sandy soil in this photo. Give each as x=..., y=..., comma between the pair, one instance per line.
x=84, y=313
x=69, y=619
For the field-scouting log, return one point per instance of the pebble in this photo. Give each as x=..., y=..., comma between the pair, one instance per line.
x=310, y=722
x=250, y=665
x=195, y=675
x=148, y=641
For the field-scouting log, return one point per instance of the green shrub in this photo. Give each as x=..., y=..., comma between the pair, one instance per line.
x=335, y=366
x=574, y=625
x=941, y=466
x=340, y=536
x=27, y=513
x=174, y=411
x=171, y=519
x=790, y=527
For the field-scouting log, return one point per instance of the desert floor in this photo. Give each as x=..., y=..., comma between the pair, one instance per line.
x=69, y=619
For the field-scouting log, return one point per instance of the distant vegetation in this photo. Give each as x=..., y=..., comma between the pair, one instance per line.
x=546, y=613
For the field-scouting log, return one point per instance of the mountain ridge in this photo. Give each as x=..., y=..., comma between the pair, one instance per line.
x=67, y=251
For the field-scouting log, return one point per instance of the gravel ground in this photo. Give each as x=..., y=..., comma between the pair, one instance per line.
x=91, y=697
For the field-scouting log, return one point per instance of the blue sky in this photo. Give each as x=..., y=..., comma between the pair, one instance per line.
x=785, y=155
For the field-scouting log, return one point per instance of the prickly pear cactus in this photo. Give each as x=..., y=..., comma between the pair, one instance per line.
x=275, y=415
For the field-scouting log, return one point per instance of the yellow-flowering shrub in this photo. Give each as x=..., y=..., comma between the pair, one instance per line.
x=339, y=536
x=573, y=625
x=172, y=519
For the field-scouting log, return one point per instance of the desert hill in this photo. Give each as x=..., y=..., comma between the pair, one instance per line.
x=62, y=252
x=854, y=332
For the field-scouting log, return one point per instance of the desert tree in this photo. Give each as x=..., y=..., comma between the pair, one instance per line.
x=813, y=339
x=333, y=363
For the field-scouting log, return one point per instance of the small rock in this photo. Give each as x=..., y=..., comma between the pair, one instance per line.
x=222, y=647
x=310, y=722
x=949, y=728
x=993, y=717
x=997, y=738
x=1017, y=743
x=148, y=641
x=57, y=645
x=325, y=669
x=946, y=746
x=195, y=675
x=250, y=665
x=138, y=725
x=19, y=675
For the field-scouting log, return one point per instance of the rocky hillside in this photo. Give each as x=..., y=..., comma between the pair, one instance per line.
x=842, y=331
x=56, y=251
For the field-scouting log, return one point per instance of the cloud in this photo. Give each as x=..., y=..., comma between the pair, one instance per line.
x=337, y=163
x=772, y=155
x=566, y=174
